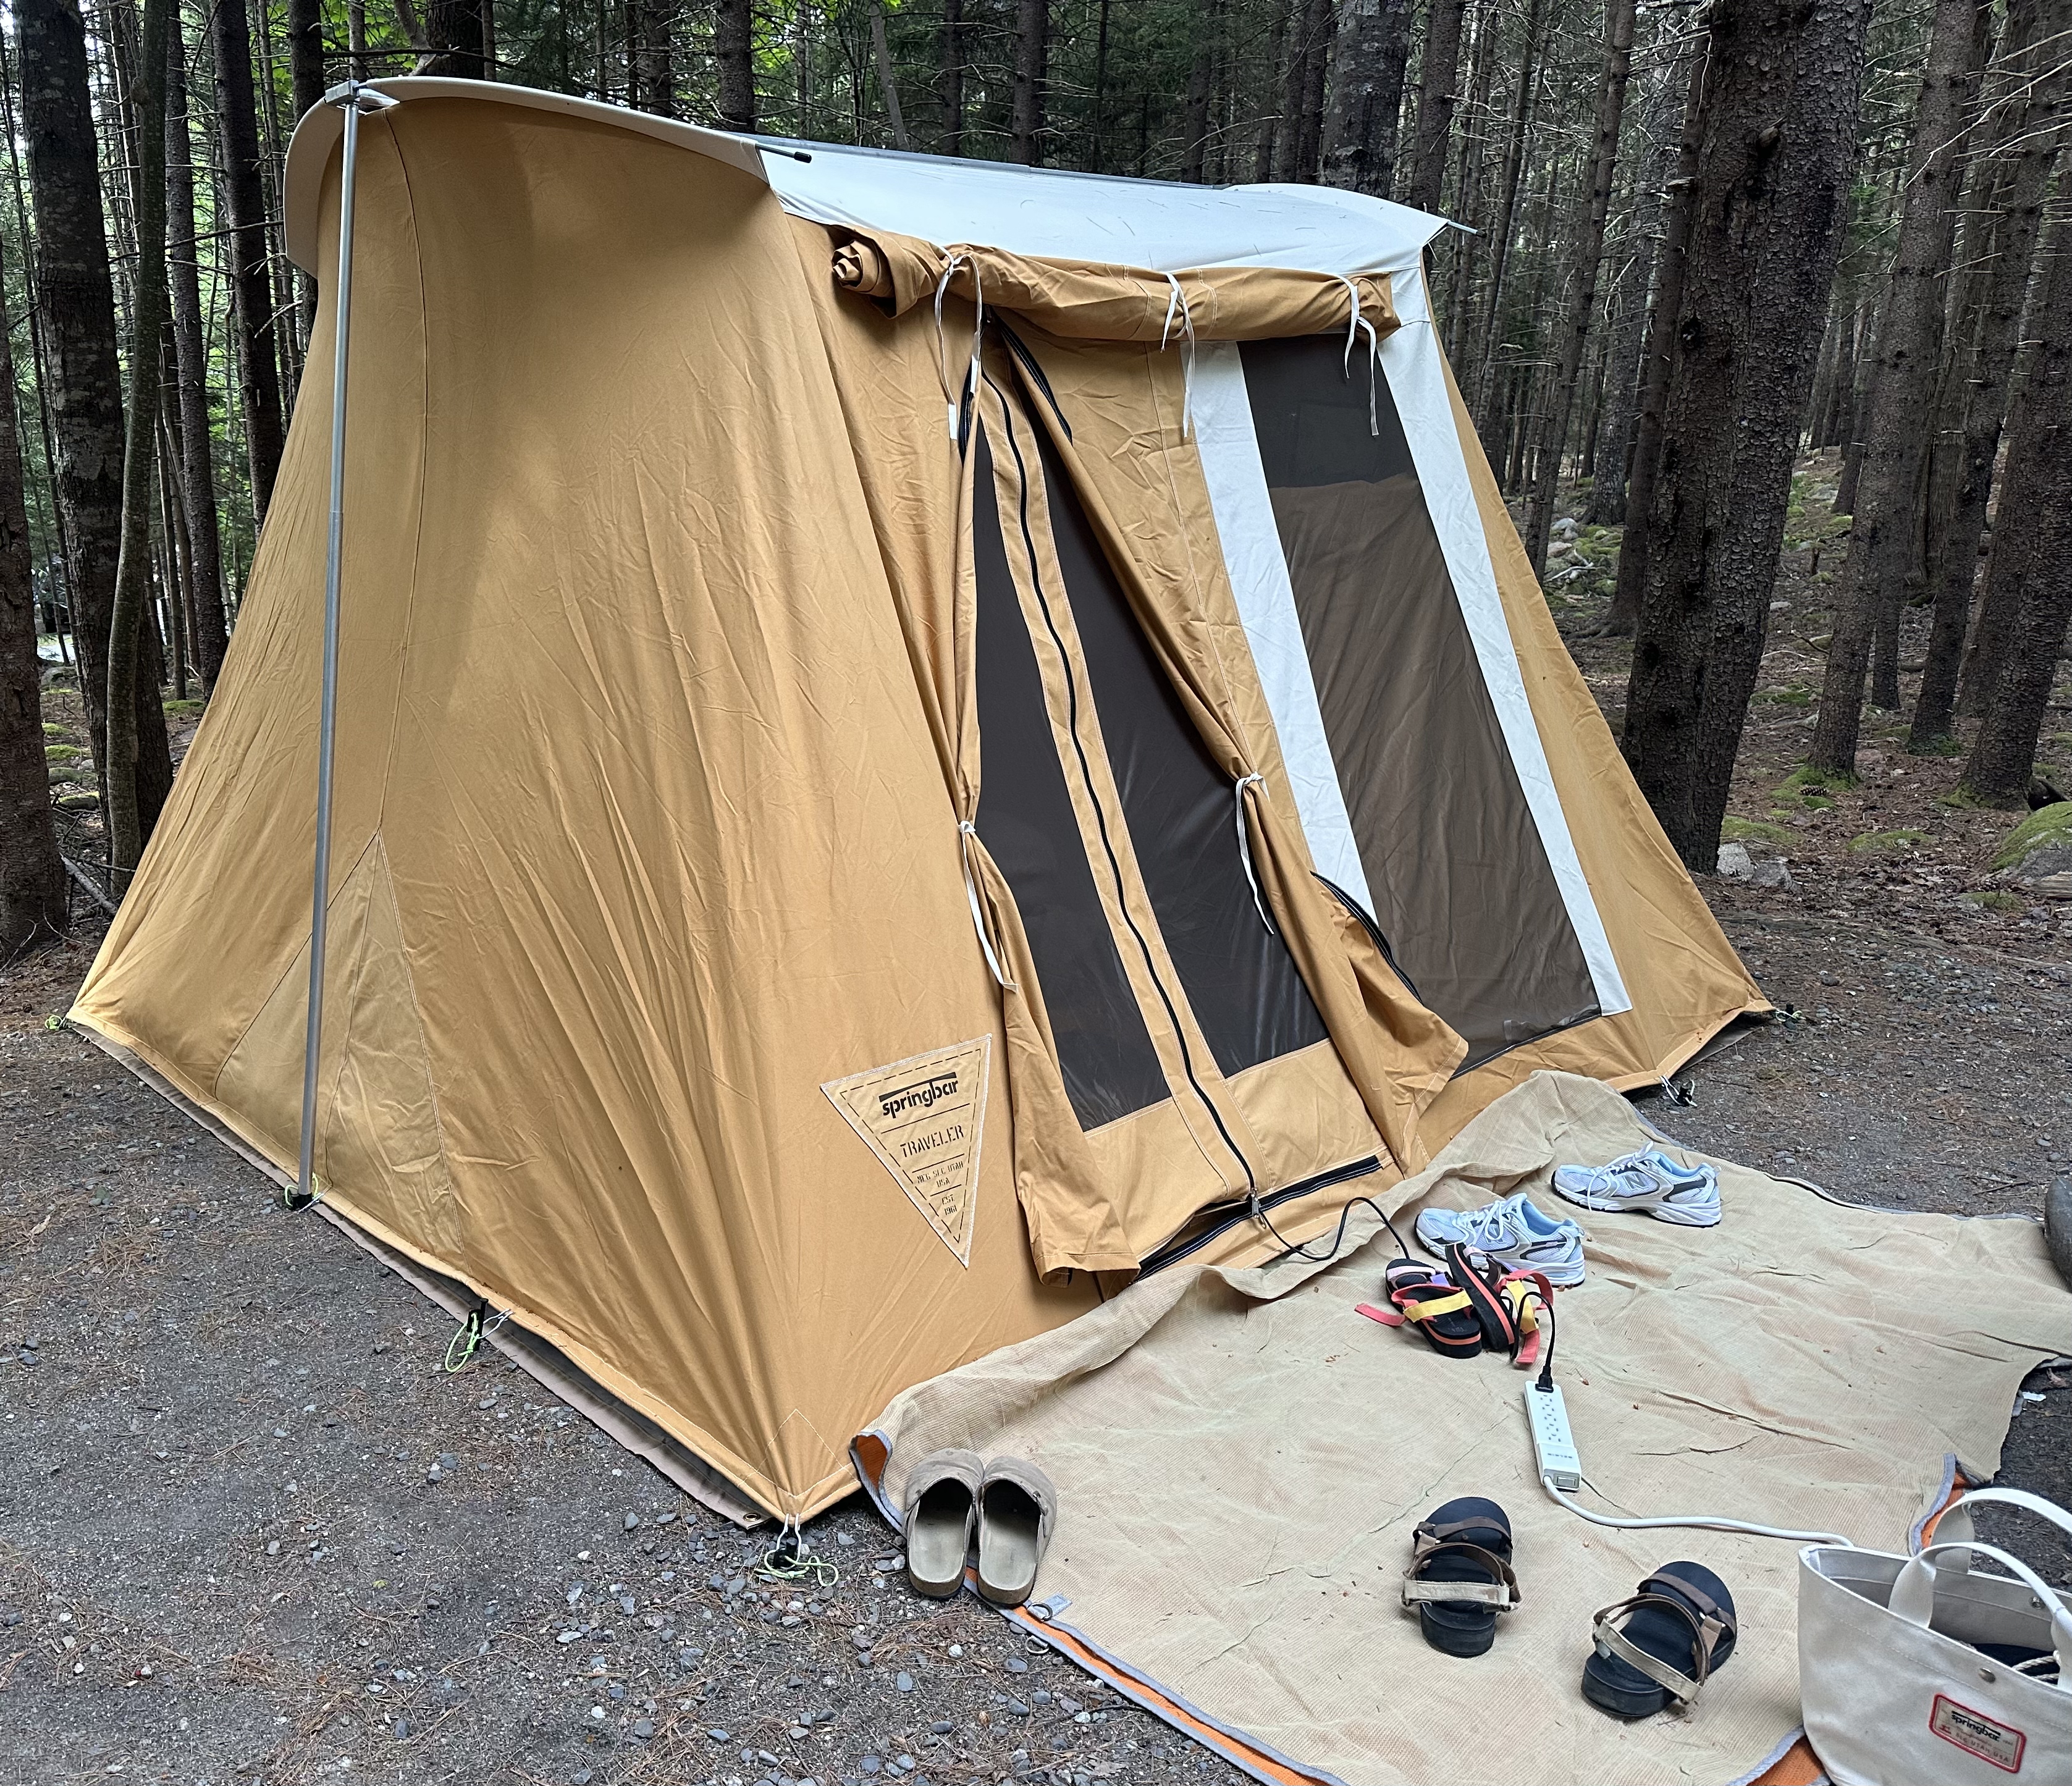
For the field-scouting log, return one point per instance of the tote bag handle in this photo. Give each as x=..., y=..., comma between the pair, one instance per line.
x=1914, y=1596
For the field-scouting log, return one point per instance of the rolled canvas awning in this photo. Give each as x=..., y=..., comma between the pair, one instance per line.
x=857, y=835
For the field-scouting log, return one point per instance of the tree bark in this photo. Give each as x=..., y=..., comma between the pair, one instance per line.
x=1882, y=534
x=32, y=878
x=1032, y=38
x=1768, y=207
x=259, y=382
x=197, y=469
x=454, y=40
x=82, y=374
x=1490, y=402
x=734, y=54
x=128, y=829
x=888, y=81
x=1679, y=199
x=951, y=141
x=1201, y=83
x=2039, y=492
x=1435, y=104
x=1297, y=151
x=2030, y=134
x=1583, y=296
x=1374, y=51
x=1609, y=469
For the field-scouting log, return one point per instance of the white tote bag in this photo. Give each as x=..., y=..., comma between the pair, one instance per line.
x=1895, y=1694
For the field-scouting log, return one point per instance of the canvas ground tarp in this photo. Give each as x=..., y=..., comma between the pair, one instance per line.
x=1239, y=1458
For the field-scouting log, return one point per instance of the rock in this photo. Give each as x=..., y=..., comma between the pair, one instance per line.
x=871, y=1764
x=2041, y=845
x=2051, y=886
x=719, y=1736
x=904, y=1683
x=402, y=1728
x=632, y=1522
x=1770, y=874
x=941, y=1727
x=1733, y=863
x=1015, y=1665
x=2057, y=1226
x=687, y=1658
x=643, y=1728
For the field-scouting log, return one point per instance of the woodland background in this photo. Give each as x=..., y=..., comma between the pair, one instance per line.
x=1699, y=240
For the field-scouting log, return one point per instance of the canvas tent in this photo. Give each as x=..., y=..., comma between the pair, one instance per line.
x=914, y=738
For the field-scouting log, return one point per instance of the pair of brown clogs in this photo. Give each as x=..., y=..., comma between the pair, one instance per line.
x=1011, y=1505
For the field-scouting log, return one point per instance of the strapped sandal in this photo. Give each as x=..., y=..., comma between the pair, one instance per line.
x=1472, y=1270
x=1682, y=1617
x=1459, y=1576
x=1423, y=1296
x=1528, y=1299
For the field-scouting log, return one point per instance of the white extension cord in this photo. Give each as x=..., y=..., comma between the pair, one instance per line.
x=1561, y=1467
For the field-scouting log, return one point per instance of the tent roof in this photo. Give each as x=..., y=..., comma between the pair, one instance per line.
x=1158, y=224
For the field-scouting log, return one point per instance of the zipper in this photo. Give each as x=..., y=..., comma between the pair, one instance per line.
x=1093, y=799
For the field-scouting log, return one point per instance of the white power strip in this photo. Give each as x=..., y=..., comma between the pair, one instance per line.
x=1552, y=1443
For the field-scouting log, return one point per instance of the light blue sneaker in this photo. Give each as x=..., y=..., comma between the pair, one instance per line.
x=1515, y=1233
x=1688, y=1196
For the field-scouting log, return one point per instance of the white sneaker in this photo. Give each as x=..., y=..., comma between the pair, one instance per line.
x=1653, y=1182
x=1514, y=1234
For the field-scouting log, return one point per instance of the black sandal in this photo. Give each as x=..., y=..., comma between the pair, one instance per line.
x=1424, y=1300
x=1459, y=1576
x=1682, y=1618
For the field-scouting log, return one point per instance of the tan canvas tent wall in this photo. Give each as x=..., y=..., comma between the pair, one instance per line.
x=866, y=815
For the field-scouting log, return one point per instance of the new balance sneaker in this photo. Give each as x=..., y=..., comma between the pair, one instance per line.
x=1688, y=1196
x=1519, y=1236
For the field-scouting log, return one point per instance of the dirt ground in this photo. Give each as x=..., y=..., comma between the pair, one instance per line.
x=251, y=1528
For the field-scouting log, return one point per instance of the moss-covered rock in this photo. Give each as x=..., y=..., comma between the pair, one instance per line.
x=2040, y=844
x=1742, y=830
x=1886, y=843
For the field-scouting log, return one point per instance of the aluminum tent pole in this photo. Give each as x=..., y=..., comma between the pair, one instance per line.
x=352, y=97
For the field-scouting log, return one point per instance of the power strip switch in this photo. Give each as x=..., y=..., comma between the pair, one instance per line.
x=1552, y=1443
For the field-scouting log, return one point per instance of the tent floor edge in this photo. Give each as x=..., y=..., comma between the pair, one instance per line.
x=538, y=1357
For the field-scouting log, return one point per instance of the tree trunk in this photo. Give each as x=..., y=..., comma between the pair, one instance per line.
x=32, y=878
x=952, y=139
x=259, y=381
x=1270, y=125
x=1583, y=297
x=1489, y=405
x=1296, y=151
x=1768, y=207
x=1679, y=200
x=653, y=79
x=734, y=54
x=2039, y=495
x=1032, y=35
x=1374, y=50
x=128, y=830
x=306, y=84
x=454, y=40
x=197, y=469
x=888, y=82
x=1614, y=451
x=82, y=373
x=1201, y=82
x=2035, y=133
x=1882, y=534
x=1435, y=103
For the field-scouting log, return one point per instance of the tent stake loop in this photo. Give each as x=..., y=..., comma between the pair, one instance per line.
x=352, y=97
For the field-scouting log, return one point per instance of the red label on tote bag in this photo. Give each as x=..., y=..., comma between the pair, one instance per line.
x=1999, y=1744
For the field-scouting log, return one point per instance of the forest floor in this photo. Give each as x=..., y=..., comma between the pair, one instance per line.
x=224, y=1555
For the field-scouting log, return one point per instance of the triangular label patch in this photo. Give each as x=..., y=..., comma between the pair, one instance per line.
x=924, y=1118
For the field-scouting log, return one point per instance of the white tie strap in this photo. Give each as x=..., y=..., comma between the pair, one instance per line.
x=966, y=831
x=1245, y=848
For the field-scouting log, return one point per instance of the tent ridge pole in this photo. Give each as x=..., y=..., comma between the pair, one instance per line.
x=351, y=97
